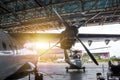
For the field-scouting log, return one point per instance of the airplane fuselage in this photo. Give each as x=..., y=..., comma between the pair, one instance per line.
x=9, y=64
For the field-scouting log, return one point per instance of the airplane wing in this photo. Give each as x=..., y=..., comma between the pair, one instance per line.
x=99, y=37
x=31, y=37
x=27, y=37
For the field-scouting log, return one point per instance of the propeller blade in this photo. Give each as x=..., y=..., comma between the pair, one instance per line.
x=50, y=48
x=89, y=19
x=61, y=19
x=89, y=53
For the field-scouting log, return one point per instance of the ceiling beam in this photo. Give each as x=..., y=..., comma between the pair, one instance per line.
x=2, y=5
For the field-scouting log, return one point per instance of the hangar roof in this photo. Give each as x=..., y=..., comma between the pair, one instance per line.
x=31, y=15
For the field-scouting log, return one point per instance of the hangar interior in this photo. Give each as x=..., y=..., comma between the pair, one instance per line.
x=24, y=17
x=37, y=15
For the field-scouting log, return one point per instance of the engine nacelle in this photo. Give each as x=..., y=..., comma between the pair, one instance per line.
x=23, y=71
x=67, y=43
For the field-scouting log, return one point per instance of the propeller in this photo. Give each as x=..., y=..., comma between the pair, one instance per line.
x=71, y=33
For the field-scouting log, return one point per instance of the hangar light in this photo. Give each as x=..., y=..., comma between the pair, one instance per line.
x=107, y=41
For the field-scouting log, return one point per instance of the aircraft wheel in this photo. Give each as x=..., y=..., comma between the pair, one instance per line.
x=107, y=76
x=66, y=69
x=84, y=69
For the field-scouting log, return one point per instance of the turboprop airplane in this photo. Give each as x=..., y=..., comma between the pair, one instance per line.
x=14, y=65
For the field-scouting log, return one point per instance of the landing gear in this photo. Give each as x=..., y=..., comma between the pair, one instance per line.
x=37, y=75
x=99, y=76
x=83, y=69
x=66, y=69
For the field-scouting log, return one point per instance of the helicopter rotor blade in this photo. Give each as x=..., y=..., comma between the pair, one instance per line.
x=89, y=53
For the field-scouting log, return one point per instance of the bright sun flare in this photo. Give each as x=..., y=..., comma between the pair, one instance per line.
x=37, y=45
x=42, y=45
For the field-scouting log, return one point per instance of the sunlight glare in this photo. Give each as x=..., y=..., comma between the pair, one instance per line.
x=37, y=45
x=42, y=45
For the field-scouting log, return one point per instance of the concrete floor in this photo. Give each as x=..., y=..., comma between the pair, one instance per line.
x=57, y=71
